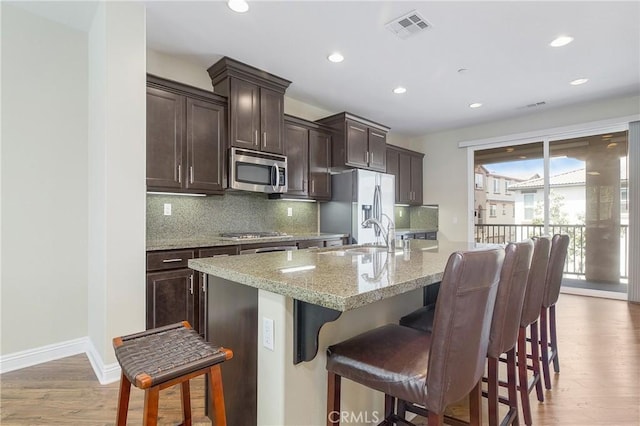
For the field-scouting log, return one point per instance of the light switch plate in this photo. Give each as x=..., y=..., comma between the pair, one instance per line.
x=289, y=211
x=167, y=209
x=267, y=333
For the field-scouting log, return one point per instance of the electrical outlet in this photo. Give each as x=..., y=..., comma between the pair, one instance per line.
x=289, y=211
x=167, y=209
x=267, y=333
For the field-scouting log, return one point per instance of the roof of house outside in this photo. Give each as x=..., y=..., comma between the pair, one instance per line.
x=571, y=178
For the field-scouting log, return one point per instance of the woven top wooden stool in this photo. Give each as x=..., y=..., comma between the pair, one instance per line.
x=162, y=357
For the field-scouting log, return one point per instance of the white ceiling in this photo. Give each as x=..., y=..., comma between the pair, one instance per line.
x=504, y=46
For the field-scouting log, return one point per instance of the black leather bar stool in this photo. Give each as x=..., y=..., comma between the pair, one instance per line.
x=529, y=319
x=432, y=369
x=504, y=329
x=548, y=333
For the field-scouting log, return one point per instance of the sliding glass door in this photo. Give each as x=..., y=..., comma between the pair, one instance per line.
x=575, y=186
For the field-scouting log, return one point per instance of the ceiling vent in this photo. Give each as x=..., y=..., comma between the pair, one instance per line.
x=408, y=25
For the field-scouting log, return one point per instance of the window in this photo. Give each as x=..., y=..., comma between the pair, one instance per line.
x=496, y=185
x=479, y=181
x=528, y=206
x=492, y=210
x=507, y=184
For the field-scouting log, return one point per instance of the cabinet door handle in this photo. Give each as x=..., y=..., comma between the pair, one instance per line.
x=179, y=173
x=372, y=157
x=204, y=282
x=264, y=139
x=256, y=137
x=191, y=283
x=366, y=157
x=313, y=185
x=171, y=260
x=190, y=174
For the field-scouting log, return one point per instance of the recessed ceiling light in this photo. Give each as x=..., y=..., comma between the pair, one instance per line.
x=561, y=41
x=240, y=6
x=335, y=57
x=612, y=144
x=522, y=157
x=579, y=81
x=399, y=90
x=510, y=149
x=594, y=173
x=475, y=105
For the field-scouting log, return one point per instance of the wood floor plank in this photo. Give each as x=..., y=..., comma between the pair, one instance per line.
x=599, y=381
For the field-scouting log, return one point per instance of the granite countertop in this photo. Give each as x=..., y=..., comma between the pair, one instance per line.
x=198, y=242
x=335, y=277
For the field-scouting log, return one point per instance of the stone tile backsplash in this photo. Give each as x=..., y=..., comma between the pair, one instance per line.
x=246, y=211
x=211, y=215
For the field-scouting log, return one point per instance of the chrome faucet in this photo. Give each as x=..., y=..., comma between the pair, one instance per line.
x=388, y=234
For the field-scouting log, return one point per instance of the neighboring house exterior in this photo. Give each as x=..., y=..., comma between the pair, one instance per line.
x=494, y=198
x=569, y=189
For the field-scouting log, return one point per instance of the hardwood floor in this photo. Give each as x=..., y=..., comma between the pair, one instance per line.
x=599, y=383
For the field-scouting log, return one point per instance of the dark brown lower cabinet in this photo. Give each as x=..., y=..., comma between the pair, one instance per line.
x=170, y=297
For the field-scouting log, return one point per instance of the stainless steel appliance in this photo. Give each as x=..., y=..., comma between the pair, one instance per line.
x=358, y=195
x=257, y=171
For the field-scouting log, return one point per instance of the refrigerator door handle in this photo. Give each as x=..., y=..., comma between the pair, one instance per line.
x=377, y=207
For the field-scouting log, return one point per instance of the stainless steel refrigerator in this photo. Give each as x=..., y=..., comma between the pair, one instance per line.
x=357, y=195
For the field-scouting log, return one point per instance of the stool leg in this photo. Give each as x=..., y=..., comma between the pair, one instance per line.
x=511, y=385
x=523, y=381
x=123, y=401
x=186, y=403
x=475, y=405
x=535, y=357
x=435, y=419
x=150, y=416
x=544, y=348
x=217, y=396
x=333, y=399
x=389, y=406
x=554, y=338
x=492, y=390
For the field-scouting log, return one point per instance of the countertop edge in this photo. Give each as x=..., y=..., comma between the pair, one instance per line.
x=326, y=300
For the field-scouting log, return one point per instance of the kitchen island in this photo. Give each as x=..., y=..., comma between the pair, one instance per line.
x=356, y=288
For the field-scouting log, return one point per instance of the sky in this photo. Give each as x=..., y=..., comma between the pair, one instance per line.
x=525, y=169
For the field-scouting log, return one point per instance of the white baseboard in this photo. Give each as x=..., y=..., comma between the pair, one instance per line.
x=593, y=293
x=104, y=373
x=22, y=359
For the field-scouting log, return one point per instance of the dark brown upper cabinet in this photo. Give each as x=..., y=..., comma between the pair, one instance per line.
x=406, y=166
x=256, y=104
x=320, y=164
x=358, y=142
x=185, y=138
x=297, y=151
x=307, y=147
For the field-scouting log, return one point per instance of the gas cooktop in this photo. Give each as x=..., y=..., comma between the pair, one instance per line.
x=251, y=235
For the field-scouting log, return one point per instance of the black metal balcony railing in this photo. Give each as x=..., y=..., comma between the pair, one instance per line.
x=575, y=263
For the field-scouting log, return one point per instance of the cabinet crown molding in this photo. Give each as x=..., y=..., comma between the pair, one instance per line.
x=227, y=67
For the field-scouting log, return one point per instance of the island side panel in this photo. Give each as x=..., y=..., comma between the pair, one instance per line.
x=232, y=322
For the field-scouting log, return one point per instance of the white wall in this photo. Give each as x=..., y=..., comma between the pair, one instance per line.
x=44, y=182
x=445, y=165
x=117, y=191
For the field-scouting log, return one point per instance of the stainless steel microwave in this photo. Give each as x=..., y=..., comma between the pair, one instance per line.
x=257, y=171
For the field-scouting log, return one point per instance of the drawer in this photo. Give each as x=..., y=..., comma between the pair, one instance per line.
x=305, y=244
x=432, y=235
x=333, y=243
x=171, y=259
x=218, y=251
